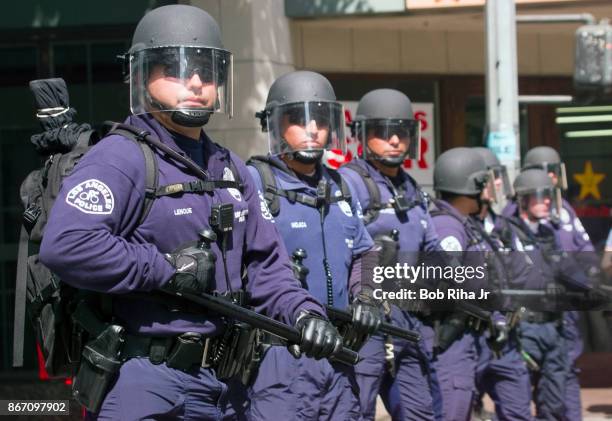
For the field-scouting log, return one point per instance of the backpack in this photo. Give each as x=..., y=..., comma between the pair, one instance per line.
x=49, y=302
x=264, y=164
x=370, y=214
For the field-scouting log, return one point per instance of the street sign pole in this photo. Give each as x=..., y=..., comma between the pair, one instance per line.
x=502, y=84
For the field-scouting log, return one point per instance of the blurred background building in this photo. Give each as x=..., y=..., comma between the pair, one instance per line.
x=433, y=50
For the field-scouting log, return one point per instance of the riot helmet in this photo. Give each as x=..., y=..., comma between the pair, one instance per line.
x=177, y=64
x=386, y=128
x=536, y=193
x=500, y=187
x=460, y=171
x=303, y=117
x=547, y=159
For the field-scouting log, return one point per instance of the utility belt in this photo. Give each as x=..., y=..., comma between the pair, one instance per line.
x=540, y=317
x=235, y=352
x=449, y=327
x=470, y=323
x=184, y=352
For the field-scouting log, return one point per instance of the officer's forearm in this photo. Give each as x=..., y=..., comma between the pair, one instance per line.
x=99, y=261
x=230, y=310
x=362, y=269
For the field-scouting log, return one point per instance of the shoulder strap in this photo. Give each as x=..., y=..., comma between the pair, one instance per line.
x=151, y=169
x=237, y=176
x=262, y=165
x=87, y=138
x=422, y=197
x=339, y=180
x=371, y=212
x=205, y=184
x=20, y=298
x=438, y=211
x=523, y=235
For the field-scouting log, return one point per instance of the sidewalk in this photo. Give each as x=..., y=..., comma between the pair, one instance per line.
x=596, y=405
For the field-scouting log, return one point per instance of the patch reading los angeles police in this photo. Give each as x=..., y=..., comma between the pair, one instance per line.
x=91, y=196
x=228, y=175
x=265, y=210
x=450, y=243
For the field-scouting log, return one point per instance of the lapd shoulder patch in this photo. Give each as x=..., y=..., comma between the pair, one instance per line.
x=91, y=196
x=565, y=216
x=451, y=243
x=345, y=208
x=265, y=210
x=228, y=175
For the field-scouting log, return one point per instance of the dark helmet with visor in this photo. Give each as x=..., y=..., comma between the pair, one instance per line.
x=547, y=159
x=460, y=171
x=387, y=114
x=305, y=101
x=534, y=186
x=499, y=174
x=175, y=44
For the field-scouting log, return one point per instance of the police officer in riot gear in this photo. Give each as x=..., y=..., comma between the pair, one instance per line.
x=314, y=210
x=393, y=205
x=503, y=376
x=460, y=178
x=573, y=238
x=536, y=197
x=548, y=160
x=179, y=75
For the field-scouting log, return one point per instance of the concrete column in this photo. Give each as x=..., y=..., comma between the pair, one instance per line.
x=257, y=33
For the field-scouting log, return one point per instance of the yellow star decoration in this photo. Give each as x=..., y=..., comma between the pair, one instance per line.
x=589, y=181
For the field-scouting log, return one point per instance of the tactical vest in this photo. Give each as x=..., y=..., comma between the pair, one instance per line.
x=370, y=214
x=264, y=164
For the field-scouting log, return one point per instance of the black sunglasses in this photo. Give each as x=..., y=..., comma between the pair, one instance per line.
x=384, y=131
x=297, y=116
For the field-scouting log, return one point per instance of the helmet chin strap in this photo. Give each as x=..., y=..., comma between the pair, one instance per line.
x=391, y=162
x=185, y=118
x=481, y=203
x=190, y=118
x=307, y=157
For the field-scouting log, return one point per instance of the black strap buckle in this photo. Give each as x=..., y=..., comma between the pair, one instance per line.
x=30, y=216
x=291, y=196
x=195, y=186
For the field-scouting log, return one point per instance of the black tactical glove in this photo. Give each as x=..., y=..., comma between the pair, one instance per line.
x=367, y=318
x=500, y=331
x=320, y=338
x=195, y=270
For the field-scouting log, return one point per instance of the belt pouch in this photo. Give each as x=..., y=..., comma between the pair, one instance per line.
x=99, y=367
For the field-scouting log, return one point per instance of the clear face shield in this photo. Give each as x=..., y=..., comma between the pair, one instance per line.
x=556, y=171
x=308, y=126
x=389, y=139
x=185, y=79
x=490, y=193
x=540, y=203
x=498, y=189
